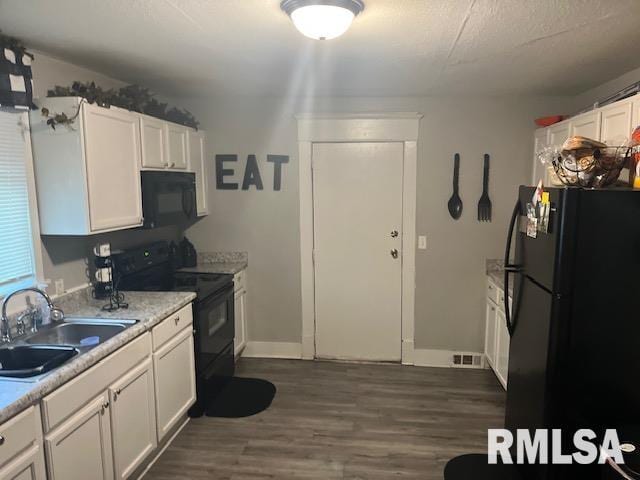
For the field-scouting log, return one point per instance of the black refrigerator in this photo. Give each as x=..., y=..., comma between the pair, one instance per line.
x=574, y=323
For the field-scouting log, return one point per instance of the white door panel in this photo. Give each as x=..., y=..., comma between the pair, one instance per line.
x=357, y=196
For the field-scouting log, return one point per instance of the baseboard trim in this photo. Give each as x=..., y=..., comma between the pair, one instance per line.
x=441, y=358
x=273, y=350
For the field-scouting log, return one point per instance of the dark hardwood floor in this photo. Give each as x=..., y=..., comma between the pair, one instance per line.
x=342, y=421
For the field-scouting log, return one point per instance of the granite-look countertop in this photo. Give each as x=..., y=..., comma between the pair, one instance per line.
x=495, y=271
x=149, y=308
x=219, y=262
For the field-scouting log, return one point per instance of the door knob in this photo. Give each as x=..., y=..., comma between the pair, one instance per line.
x=394, y=253
x=394, y=233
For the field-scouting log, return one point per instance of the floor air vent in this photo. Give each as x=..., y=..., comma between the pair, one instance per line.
x=467, y=360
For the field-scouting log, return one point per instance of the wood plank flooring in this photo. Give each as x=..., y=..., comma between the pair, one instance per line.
x=342, y=421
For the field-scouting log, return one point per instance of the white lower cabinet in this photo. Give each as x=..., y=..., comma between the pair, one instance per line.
x=497, y=340
x=21, y=455
x=27, y=466
x=501, y=366
x=490, y=334
x=240, y=311
x=106, y=422
x=133, y=419
x=80, y=448
x=175, y=382
x=240, y=340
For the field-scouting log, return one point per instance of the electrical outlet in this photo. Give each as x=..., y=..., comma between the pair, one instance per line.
x=59, y=286
x=422, y=242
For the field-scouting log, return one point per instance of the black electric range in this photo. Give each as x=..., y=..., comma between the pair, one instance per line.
x=150, y=268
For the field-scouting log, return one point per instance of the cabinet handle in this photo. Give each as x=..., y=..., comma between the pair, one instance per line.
x=176, y=320
x=1, y=439
x=105, y=406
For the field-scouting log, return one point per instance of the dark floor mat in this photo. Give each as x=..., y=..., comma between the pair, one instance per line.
x=242, y=397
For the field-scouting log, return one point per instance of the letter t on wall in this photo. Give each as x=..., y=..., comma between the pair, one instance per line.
x=277, y=161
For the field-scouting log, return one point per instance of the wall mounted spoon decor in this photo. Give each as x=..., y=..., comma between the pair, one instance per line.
x=484, y=204
x=455, y=202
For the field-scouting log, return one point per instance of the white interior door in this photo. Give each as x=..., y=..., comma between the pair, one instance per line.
x=357, y=202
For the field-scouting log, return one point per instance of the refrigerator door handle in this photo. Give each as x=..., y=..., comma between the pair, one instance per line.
x=510, y=268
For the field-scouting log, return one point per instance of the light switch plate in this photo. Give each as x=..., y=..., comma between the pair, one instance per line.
x=422, y=242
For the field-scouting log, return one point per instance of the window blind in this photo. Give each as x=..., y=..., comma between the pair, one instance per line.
x=16, y=243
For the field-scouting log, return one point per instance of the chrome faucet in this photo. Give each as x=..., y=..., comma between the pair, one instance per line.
x=55, y=313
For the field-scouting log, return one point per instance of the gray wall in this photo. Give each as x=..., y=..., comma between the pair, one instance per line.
x=450, y=273
x=588, y=98
x=450, y=296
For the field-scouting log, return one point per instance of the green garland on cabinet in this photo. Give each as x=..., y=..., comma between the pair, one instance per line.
x=131, y=97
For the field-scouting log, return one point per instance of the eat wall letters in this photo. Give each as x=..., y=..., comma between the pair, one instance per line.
x=252, y=176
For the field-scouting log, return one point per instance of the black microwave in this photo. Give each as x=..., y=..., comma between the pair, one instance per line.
x=168, y=198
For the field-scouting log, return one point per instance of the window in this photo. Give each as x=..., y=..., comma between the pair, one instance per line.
x=17, y=259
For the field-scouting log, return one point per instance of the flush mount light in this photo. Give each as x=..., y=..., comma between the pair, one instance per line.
x=322, y=19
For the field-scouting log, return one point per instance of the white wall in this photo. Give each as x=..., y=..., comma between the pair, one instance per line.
x=450, y=292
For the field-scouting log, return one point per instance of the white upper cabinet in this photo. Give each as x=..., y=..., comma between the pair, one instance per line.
x=558, y=133
x=616, y=123
x=635, y=115
x=112, y=149
x=586, y=125
x=154, y=142
x=177, y=156
x=611, y=124
x=197, y=164
x=88, y=173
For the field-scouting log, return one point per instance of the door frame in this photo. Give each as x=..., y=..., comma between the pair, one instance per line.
x=353, y=128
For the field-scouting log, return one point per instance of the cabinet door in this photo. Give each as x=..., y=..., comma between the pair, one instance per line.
x=154, y=145
x=540, y=141
x=197, y=164
x=586, y=125
x=175, y=382
x=112, y=156
x=28, y=466
x=240, y=321
x=558, y=133
x=133, y=419
x=176, y=145
x=635, y=116
x=616, y=123
x=490, y=334
x=502, y=348
x=80, y=448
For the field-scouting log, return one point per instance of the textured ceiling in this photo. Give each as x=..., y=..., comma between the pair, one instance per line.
x=394, y=48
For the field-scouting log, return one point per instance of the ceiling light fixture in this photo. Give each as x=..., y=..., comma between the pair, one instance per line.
x=322, y=19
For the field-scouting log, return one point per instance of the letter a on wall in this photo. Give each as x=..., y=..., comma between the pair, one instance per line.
x=252, y=174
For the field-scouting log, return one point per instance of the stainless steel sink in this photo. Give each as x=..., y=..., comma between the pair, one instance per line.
x=24, y=361
x=80, y=333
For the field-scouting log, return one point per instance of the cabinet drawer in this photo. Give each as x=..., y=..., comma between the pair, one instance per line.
x=240, y=281
x=492, y=291
x=67, y=399
x=170, y=327
x=20, y=433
